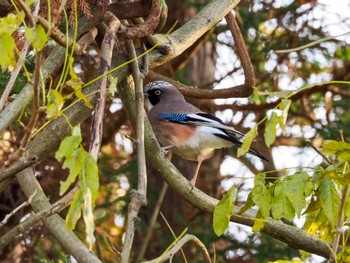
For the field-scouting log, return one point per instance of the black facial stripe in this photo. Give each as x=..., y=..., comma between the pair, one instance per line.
x=153, y=99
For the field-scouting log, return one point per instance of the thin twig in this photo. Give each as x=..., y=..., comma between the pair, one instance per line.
x=338, y=228
x=14, y=211
x=37, y=218
x=241, y=51
x=35, y=112
x=138, y=198
x=17, y=167
x=319, y=152
x=153, y=222
x=28, y=13
x=59, y=37
x=106, y=58
x=14, y=74
x=179, y=245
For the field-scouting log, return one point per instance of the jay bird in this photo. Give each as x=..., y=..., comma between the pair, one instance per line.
x=186, y=130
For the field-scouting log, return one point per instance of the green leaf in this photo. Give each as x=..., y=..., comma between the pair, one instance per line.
x=261, y=195
x=259, y=222
x=270, y=129
x=76, y=84
x=37, y=36
x=223, y=211
x=296, y=187
x=329, y=200
x=67, y=146
x=247, y=141
x=92, y=180
x=247, y=205
x=113, y=82
x=281, y=206
x=89, y=217
x=54, y=103
x=333, y=147
x=74, y=212
x=11, y=23
x=7, y=51
x=75, y=163
x=284, y=106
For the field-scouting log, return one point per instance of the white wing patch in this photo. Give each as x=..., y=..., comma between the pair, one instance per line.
x=206, y=122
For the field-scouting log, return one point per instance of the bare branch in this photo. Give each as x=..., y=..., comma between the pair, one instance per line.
x=24, y=204
x=55, y=224
x=14, y=74
x=100, y=102
x=17, y=167
x=37, y=218
x=152, y=223
x=151, y=22
x=186, y=238
x=139, y=197
x=35, y=112
x=242, y=52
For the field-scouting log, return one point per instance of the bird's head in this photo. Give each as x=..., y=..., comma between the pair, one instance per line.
x=158, y=91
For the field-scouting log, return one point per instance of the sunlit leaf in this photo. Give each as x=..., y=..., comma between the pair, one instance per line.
x=270, y=129
x=284, y=106
x=37, y=36
x=76, y=84
x=259, y=222
x=91, y=173
x=329, y=200
x=7, y=51
x=89, y=217
x=296, y=190
x=75, y=163
x=261, y=195
x=54, y=103
x=67, y=146
x=113, y=82
x=333, y=147
x=248, y=204
x=247, y=141
x=281, y=206
x=74, y=212
x=11, y=22
x=223, y=211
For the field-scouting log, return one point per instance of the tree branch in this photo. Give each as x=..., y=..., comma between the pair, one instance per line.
x=18, y=166
x=100, y=102
x=186, y=238
x=139, y=197
x=37, y=218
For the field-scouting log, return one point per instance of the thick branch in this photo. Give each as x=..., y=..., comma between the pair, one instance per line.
x=55, y=224
x=178, y=41
x=18, y=166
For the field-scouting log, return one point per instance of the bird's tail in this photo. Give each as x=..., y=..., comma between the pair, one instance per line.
x=257, y=153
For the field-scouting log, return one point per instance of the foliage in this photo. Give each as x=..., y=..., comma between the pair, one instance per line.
x=299, y=94
x=82, y=165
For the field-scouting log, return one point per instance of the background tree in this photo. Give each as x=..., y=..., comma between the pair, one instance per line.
x=41, y=83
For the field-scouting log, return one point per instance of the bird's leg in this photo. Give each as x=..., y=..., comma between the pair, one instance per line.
x=194, y=179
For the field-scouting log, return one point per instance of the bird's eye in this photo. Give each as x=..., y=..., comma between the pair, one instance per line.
x=157, y=92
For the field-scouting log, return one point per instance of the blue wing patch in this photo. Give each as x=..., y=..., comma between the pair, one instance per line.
x=174, y=117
